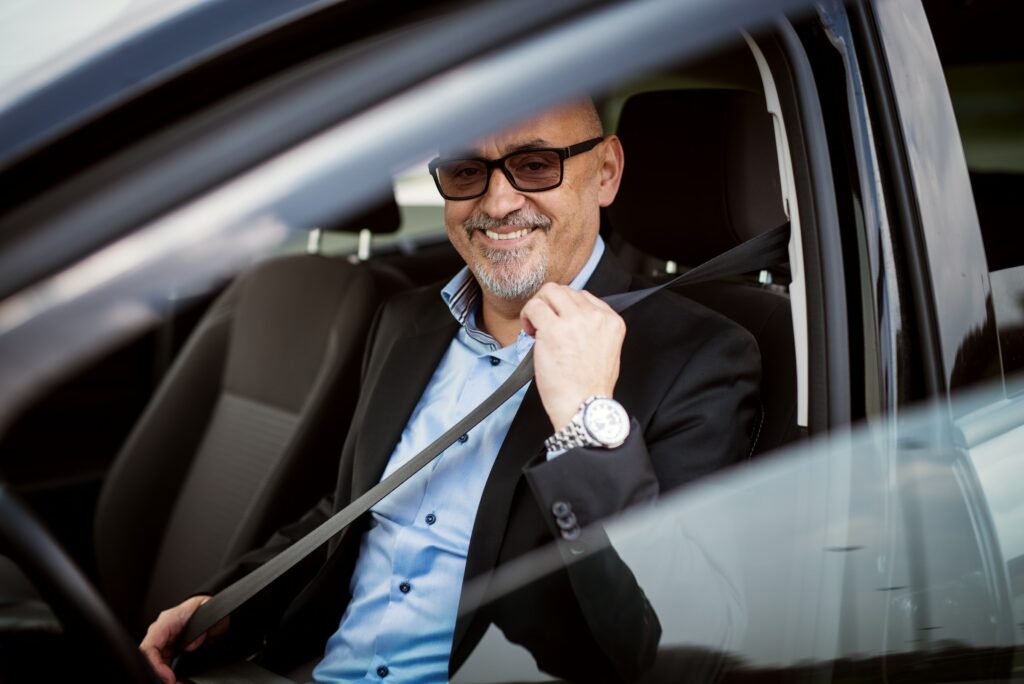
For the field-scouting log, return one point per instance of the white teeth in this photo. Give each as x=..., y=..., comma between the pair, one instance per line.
x=508, y=236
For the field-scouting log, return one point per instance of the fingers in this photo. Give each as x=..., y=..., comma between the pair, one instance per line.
x=157, y=659
x=578, y=341
x=196, y=643
x=536, y=314
x=562, y=299
x=211, y=634
x=555, y=302
x=158, y=644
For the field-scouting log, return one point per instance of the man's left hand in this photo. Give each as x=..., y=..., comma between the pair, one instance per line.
x=578, y=341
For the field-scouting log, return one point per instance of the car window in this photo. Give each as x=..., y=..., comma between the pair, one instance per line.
x=421, y=210
x=992, y=435
x=891, y=551
x=850, y=558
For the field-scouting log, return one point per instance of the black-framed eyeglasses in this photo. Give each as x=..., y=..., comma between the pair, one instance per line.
x=532, y=170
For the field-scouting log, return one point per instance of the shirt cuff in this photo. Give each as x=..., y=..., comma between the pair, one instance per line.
x=555, y=454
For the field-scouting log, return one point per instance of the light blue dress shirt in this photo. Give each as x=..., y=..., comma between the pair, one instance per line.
x=407, y=580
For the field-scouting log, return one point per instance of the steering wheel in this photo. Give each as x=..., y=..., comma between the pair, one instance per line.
x=73, y=599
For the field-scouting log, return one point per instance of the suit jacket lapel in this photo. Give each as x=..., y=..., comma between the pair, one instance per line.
x=404, y=375
x=524, y=442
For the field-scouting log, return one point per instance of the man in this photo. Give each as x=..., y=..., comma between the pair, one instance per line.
x=523, y=210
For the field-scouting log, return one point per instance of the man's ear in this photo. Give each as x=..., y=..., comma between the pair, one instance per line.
x=611, y=170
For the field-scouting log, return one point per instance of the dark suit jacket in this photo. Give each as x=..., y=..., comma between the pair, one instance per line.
x=689, y=379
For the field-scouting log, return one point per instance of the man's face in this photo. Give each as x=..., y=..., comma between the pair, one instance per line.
x=515, y=241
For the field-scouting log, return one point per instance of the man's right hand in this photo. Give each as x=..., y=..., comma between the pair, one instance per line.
x=162, y=635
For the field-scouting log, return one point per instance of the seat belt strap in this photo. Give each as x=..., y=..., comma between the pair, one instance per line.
x=763, y=251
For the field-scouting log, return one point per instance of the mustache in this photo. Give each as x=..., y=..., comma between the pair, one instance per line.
x=522, y=218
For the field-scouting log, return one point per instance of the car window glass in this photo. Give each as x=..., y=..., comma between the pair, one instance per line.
x=853, y=558
x=850, y=558
x=999, y=470
x=420, y=208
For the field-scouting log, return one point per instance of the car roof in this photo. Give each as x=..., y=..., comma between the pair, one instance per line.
x=134, y=47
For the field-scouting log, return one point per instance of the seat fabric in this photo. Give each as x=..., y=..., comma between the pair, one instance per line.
x=243, y=434
x=701, y=177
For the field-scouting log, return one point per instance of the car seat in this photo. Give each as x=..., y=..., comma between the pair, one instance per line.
x=244, y=432
x=701, y=177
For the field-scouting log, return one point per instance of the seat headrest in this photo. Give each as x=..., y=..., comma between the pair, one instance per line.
x=380, y=217
x=701, y=173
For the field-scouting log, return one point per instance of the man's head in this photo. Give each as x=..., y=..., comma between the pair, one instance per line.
x=515, y=240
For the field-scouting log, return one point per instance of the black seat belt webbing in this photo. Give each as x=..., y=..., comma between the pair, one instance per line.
x=767, y=249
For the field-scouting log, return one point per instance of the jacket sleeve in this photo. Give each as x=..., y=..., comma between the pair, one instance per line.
x=703, y=422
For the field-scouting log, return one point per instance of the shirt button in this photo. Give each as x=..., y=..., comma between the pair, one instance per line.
x=404, y=587
x=431, y=518
x=495, y=361
x=382, y=671
x=463, y=439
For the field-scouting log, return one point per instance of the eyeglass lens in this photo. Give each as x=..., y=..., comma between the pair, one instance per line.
x=530, y=170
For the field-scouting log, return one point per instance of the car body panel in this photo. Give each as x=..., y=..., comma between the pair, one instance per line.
x=105, y=72
x=960, y=291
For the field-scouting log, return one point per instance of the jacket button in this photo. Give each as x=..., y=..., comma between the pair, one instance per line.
x=571, y=534
x=567, y=522
x=561, y=509
x=382, y=671
x=404, y=587
x=463, y=439
x=495, y=361
x=431, y=518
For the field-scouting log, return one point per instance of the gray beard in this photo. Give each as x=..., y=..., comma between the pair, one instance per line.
x=502, y=271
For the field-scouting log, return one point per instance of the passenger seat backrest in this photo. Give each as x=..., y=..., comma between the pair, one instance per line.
x=701, y=173
x=701, y=177
x=243, y=434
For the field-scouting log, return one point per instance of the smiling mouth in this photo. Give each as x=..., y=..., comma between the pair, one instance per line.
x=515, y=225
x=514, y=235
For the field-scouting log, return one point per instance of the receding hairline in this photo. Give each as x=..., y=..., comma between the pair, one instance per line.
x=590, y=119
x=581, y=109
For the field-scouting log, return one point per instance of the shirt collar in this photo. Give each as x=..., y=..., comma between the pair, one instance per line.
x=462, y=293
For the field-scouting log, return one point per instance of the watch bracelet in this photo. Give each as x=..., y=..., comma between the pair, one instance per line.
x=569, y=437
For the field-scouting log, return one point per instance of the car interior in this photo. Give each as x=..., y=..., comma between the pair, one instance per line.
x=199, y=459
x=158, y=461
x=190, y=444
x=252, y=412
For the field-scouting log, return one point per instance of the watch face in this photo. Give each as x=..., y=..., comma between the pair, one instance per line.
x=606, y=421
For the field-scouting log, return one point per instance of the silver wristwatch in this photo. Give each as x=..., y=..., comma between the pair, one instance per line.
x=600, y=422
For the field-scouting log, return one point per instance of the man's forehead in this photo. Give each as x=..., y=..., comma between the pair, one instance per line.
x=552, y=128
x=486, y=146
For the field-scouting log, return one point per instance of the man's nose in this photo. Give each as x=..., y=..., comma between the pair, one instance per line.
x=501, y=198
